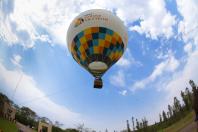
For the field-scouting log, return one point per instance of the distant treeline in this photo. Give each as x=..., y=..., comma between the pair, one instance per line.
x=29, y=118
x=173, y=114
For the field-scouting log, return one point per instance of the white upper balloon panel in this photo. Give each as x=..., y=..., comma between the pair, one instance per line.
x=96, y=18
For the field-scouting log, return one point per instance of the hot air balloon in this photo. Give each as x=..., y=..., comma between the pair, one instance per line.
x=97, y=39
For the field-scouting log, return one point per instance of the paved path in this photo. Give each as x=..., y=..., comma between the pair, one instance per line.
x=23, y=128
x=190, y=128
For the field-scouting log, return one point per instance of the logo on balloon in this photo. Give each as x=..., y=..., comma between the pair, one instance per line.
x=78, y=21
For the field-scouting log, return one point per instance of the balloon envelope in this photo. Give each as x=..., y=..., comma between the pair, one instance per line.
x=97, y=39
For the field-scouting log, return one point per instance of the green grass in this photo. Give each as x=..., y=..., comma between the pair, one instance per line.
x=180, y=124
x=7, y=126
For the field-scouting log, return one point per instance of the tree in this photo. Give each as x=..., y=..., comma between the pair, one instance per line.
x=164, y=116
x=191, y=82
x=4, y=98
x=46, y=120
x=28, y=112
x=160, y=118
x=58, y=124
x=82, y=128
x=141, y=125
x=70, y=130
x=137, y=124
x=185, y=100
x=133, y=123
x=144, y=122
x=177, y=105
x=195, y=99
x=170, y=110
x=189, y=95
x=168, y=115
x=57, y=129
x=128, y=126
x=26, y=116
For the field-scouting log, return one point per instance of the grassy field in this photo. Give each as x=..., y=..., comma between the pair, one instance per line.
x=181, y=124
x=7, y=126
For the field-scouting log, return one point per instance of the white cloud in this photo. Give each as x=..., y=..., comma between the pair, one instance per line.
x=124, y=62
x=123, y=92
x=156, y=20
x=28, y=90
x=16, y=60
x=6, y=32
x=44, y=38
x=188, y=48
x=167, y=66
x=127, y=60
x=163, y=54
x=188, y=26
x=180, y=79
x=118, y=79
x=23, y=22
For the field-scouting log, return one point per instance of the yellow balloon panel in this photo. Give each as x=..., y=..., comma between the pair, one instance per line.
x=101, y=44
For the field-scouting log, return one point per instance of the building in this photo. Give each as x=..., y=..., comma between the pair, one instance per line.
x=7, y=110
x=44, y=127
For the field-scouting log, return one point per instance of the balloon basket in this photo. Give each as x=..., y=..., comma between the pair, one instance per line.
x=98, y=83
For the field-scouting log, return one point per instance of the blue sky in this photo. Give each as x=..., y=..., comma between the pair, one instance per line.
x=160, y=59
